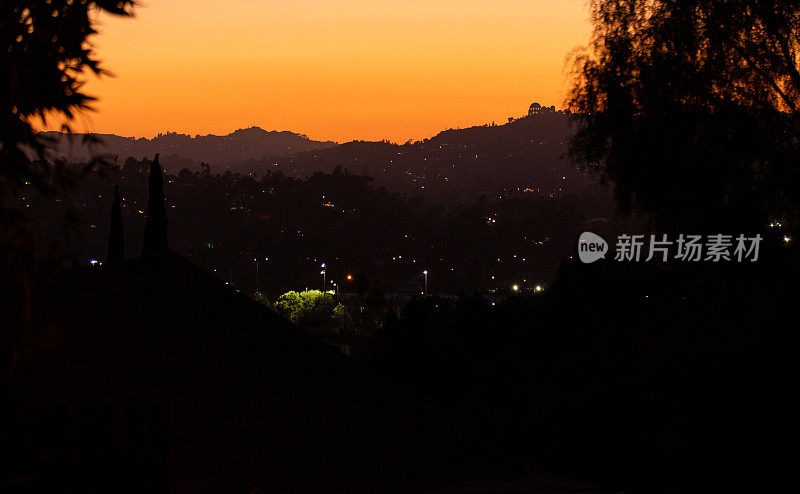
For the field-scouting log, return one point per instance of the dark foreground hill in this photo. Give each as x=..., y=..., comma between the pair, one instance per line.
x=160, y=377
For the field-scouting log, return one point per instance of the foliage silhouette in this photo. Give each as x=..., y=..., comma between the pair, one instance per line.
x=691, y=109
x=155, y=227
x=44, y=57
x=309, y=308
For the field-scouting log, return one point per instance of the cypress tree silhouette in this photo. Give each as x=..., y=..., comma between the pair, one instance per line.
x=155, y=227
x=116, y=237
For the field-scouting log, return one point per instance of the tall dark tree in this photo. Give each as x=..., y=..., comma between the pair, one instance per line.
x=692, y=108
x=155, y=227
x=45, y=56
x=116, y=236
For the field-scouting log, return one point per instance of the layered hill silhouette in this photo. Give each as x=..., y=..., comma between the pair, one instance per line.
x=180, y=150
x=525, y=155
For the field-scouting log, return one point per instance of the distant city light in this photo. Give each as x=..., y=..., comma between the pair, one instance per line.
x=515, y=288
x=349, y=277
x=538, y=288
x=93, y=262
x=787, y=239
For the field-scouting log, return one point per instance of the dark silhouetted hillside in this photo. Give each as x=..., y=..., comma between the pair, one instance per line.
x=526, y=156
x=161, y=377
x=180, y=150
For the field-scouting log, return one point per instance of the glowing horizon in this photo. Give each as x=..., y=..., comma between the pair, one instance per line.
x=333, y=70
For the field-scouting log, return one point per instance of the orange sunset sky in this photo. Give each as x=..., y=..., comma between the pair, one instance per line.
x=334, y=70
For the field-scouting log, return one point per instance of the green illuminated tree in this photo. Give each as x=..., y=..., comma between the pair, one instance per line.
x=311, y=308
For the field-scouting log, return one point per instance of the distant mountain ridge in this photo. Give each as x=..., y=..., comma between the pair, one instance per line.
x=523, y=157
x=179, y=150
x=526, y=156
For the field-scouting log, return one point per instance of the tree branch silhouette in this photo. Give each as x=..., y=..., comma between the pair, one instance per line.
x=44, y=60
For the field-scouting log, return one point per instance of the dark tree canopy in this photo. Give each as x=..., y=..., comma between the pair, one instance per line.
x=45, y=57
x=692, y=108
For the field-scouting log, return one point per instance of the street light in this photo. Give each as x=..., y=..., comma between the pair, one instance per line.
x=426, y=282
x=256, y=260
x=257, y=275
x=323, y=276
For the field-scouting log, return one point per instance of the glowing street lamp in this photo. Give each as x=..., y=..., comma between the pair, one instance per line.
x=323, y=275
x=257, y=275
x=426, y=282
x=515, y=288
